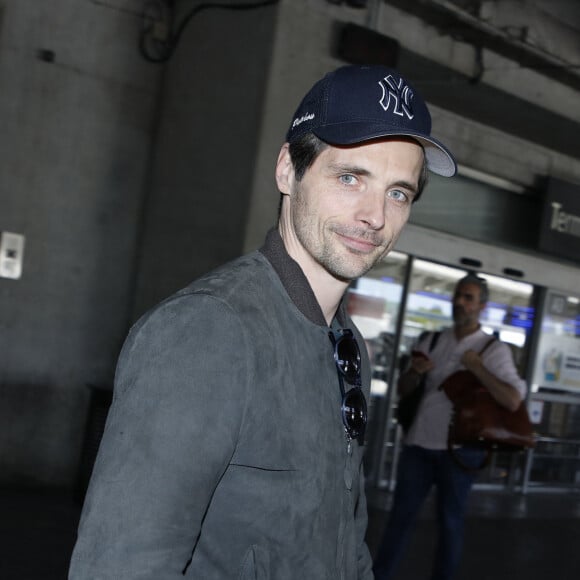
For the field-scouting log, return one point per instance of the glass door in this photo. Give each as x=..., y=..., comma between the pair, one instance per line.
x=375, y=305
x=555, y=396
x=396, y=302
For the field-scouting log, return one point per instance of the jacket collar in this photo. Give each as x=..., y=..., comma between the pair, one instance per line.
x=295, y=282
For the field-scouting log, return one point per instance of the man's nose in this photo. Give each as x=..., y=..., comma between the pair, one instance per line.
x=372, y=211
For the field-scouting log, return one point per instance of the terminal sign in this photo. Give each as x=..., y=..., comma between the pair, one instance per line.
x=560, y=229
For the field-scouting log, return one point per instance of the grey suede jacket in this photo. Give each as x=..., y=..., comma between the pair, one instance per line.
x=224, y=454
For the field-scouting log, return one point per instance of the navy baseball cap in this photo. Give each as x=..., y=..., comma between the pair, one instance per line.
x=354, y=104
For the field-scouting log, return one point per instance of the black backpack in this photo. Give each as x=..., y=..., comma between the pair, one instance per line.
x=408, y=405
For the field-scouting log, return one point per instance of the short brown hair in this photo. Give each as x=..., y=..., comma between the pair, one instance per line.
x=305, y=150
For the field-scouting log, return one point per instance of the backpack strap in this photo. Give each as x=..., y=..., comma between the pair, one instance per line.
x=434, y=338
x=408, y=405
x=488, y=343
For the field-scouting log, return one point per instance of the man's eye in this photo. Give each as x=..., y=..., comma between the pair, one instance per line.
x=398, y=195
x=347, y=179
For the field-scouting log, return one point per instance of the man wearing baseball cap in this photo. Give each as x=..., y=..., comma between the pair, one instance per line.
x=233, y=448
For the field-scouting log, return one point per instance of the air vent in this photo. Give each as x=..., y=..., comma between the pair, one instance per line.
x=471, y=262
x=513, y=273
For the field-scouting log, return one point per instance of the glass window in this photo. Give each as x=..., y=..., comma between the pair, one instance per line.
x=377, y=301
x=555, y=398
x=374, y=303
x=558, y=361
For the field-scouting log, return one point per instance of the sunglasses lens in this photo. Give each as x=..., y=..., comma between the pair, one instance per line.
x=348, y=358
x=354, y=411
x=348, y=363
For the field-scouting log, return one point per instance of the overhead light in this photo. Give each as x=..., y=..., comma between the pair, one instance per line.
x=399, y=256
x=521, y=288
x=438, y=269
x=489, y=179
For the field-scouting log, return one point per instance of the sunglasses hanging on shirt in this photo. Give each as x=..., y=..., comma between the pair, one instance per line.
x=348, y=365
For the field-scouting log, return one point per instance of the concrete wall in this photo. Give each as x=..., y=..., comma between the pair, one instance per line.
x=209, y=128
x=128, y=180
x=76, y=105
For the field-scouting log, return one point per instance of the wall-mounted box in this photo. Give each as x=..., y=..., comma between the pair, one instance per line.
x=11, y=255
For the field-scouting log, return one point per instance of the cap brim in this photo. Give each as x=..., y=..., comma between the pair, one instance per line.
x=438, y=157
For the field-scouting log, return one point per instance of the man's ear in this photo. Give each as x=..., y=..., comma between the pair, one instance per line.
x=284, y=170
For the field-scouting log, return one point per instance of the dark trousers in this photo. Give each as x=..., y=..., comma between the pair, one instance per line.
x=418, y=470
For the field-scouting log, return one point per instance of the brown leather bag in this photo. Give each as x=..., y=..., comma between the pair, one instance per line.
x=479, y=420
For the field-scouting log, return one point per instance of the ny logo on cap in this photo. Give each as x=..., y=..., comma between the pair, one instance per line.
x=398, y=93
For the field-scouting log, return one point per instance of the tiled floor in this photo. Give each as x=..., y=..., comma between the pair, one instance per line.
x=508, y=537
x=533, y=537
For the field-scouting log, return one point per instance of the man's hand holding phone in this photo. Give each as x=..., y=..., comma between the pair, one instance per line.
x=420, y=362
